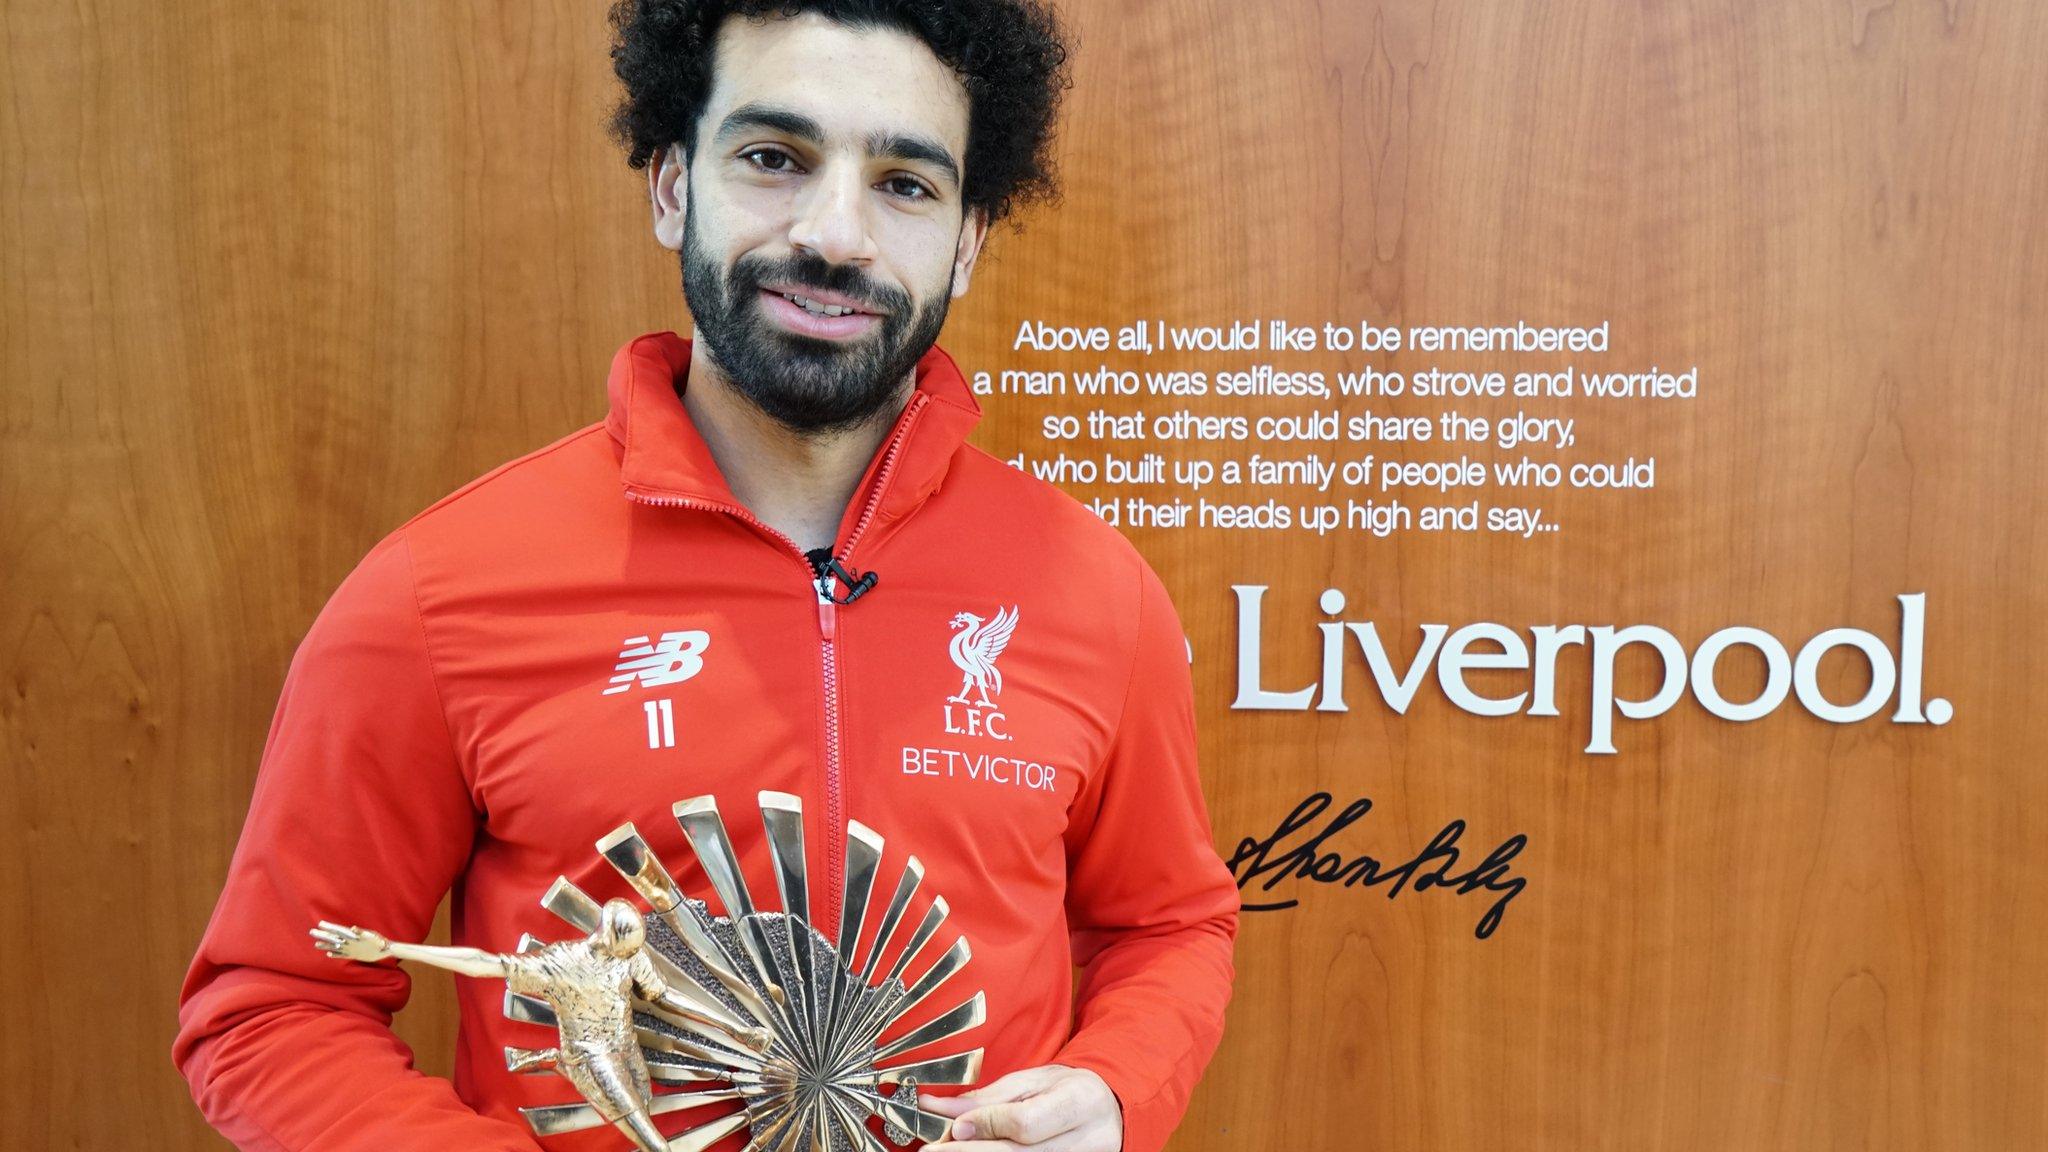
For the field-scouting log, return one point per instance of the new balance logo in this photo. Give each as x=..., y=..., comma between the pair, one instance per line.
x=676, y=657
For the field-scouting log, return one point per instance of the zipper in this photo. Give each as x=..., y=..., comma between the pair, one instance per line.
x=828, y=646
x=828, y=638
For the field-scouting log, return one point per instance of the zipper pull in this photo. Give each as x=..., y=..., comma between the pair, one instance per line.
x=828, y=618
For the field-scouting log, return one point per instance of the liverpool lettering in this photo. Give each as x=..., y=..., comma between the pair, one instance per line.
x=1452, y=654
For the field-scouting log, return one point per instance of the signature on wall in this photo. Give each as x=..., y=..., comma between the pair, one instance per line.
x=1273, y=861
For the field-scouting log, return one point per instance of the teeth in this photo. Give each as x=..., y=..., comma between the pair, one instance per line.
x=810, y=305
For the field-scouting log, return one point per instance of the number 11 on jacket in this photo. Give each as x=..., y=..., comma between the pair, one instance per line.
x=661, y=723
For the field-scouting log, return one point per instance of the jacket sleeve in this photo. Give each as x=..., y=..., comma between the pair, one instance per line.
x=361, y=814
x=1151, y=907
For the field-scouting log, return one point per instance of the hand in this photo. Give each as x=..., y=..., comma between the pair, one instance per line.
x=350, y=943
x=1053, y=1107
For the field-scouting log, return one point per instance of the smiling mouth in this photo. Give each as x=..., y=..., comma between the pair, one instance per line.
x=788, y=312
x=817, y=307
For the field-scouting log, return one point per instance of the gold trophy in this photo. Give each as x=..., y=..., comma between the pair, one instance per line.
x=758, y=1003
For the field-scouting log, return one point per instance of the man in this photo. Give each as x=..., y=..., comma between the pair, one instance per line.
x=751, y=575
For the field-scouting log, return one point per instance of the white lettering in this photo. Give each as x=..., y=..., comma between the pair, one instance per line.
x=1453, y=657
x=1607, y=644
x=1806, y=682
x=1777, y=677
x=984, y=767
x=1450, y=667
x=1249, y=693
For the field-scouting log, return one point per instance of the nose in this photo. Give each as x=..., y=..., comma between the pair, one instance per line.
x=831, y=220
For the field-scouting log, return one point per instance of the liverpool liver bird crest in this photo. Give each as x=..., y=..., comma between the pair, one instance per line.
x=975, y=650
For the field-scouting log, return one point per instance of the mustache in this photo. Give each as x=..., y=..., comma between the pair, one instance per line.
x=844, y=279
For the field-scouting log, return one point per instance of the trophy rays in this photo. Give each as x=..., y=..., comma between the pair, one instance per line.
x=821, y=1076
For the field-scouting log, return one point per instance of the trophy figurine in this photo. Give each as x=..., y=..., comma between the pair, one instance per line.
x=590, y=984
x=761, y=1001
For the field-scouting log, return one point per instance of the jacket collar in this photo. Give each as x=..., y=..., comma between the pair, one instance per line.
x=665, y=459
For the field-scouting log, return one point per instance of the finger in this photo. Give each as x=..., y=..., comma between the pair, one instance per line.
x=1015, y=1086
x=1064, y=1142
x=1028, y=1121
x=1018, y=1085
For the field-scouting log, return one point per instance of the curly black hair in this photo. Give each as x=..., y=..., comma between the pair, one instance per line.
x=1010, y=55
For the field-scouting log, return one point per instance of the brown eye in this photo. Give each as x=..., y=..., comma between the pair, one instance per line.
x=916, y=191
x=777, y=153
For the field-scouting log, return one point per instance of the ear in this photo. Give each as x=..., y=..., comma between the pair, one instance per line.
x=665, y=176
x=973, y=230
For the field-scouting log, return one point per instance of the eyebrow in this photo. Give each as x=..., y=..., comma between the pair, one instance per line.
x=881, y=143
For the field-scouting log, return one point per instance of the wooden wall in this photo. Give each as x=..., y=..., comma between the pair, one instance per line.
x=273, y=277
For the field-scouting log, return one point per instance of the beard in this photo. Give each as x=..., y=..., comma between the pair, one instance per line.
x=811, y=385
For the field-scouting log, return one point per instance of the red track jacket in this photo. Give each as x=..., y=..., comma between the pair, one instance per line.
x=476, y=706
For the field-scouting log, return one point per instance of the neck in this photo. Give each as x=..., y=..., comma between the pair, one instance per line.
x=798, y=483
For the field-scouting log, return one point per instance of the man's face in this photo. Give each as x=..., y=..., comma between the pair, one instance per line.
x=828, y=166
